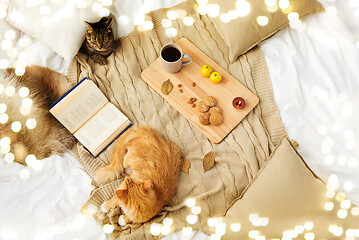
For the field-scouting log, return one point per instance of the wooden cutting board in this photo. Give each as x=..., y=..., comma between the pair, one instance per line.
x=224, y=92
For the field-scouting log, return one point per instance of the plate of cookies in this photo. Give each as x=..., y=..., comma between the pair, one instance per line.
x=215, y=106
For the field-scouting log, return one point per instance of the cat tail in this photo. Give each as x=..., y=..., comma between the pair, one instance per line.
x=115, y=168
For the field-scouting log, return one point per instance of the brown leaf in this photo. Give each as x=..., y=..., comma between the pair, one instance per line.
x=167, y=87
x=208, y=161
x=186, y=164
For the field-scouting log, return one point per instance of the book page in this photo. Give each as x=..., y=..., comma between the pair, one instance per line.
x=79, y=105
x=102, y=128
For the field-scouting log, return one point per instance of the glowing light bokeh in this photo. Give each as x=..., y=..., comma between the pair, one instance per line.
x=168, y=221
x=309, y=236
x=329, y=206
x=148, y=25
x=165, y=230
x=16, y=126
x=123, y=20
x=212, y=222
x=24, y=174
x=166, y=23
x=283, y=4
x=10, y=91
x=19, y=71
x=191, y=202
x=236, y=227
x=9, y=157
x=299, y=229
x=221, y=229
x=192, y=219
x=92, y=209
x=308, y=226
x=213, y=10
x=243, y=8
x=253, y=234
x=345, y=204
x=4, y=63
x=202, y=9
x=155, y=229
x=10, y=34
x=172, y=15
x=196, y=210
x=27, y=102
x=171, y=32
x=262, y=20
x=108, y=228
x=187, y=231
x=4, y=118
x=225, y=17
x=31, y=123
x=24, y=92
x=188, y=21
x=342, y=213
x=3, y=107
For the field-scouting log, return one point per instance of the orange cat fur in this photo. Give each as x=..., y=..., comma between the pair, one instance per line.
x=154, y=163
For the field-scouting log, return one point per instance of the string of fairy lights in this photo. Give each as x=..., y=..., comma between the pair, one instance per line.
x=17, y=58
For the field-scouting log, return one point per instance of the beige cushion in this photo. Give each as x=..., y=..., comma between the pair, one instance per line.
x=289, y=194
x=243, y=33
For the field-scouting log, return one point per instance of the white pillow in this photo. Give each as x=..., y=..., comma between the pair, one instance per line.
x=59, y=24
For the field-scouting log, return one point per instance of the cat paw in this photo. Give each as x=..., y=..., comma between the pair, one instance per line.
x=121, y=220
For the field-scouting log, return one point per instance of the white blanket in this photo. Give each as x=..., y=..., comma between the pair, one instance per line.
x=315, y=81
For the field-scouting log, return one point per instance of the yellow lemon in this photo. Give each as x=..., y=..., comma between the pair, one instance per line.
x=206, y=71
x=215, y=77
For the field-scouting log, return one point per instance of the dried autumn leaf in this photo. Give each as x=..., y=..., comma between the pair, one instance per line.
x=167, y=87
x=208, y=161
x=186, y=164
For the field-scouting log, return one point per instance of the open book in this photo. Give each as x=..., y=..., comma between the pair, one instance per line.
x=85, y=111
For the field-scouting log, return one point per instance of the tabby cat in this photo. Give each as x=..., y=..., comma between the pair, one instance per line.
x=99, y=40
x=154, y=165
x=49, y=136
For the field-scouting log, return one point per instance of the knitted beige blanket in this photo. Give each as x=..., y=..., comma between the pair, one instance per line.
x=238, y=157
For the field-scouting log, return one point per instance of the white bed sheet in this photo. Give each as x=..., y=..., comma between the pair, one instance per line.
x=315, y=76
x=314, y=72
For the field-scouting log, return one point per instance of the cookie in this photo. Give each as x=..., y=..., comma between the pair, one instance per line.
x=202, y=107
x=210, y=101
x=204, y=118
x=216, y=119
x=215, y=109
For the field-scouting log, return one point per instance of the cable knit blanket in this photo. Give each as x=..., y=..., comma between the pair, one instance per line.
x=238, y=157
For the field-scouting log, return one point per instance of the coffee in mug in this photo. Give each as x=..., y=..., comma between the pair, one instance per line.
x=172, y=58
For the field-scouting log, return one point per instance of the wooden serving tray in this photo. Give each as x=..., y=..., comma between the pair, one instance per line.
x=224, y=92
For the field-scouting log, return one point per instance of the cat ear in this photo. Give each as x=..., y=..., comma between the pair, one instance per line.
x=88, y=26
x=121, y=193
x=109, y=22
x=147, y=185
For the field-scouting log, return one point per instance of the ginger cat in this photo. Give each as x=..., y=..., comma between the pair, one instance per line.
x=154, y=164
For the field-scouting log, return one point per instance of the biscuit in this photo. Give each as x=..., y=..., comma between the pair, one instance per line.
x=216, y=119
x=215, y=109
x=204, y=118
x=202, y=107
x=210, y=101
